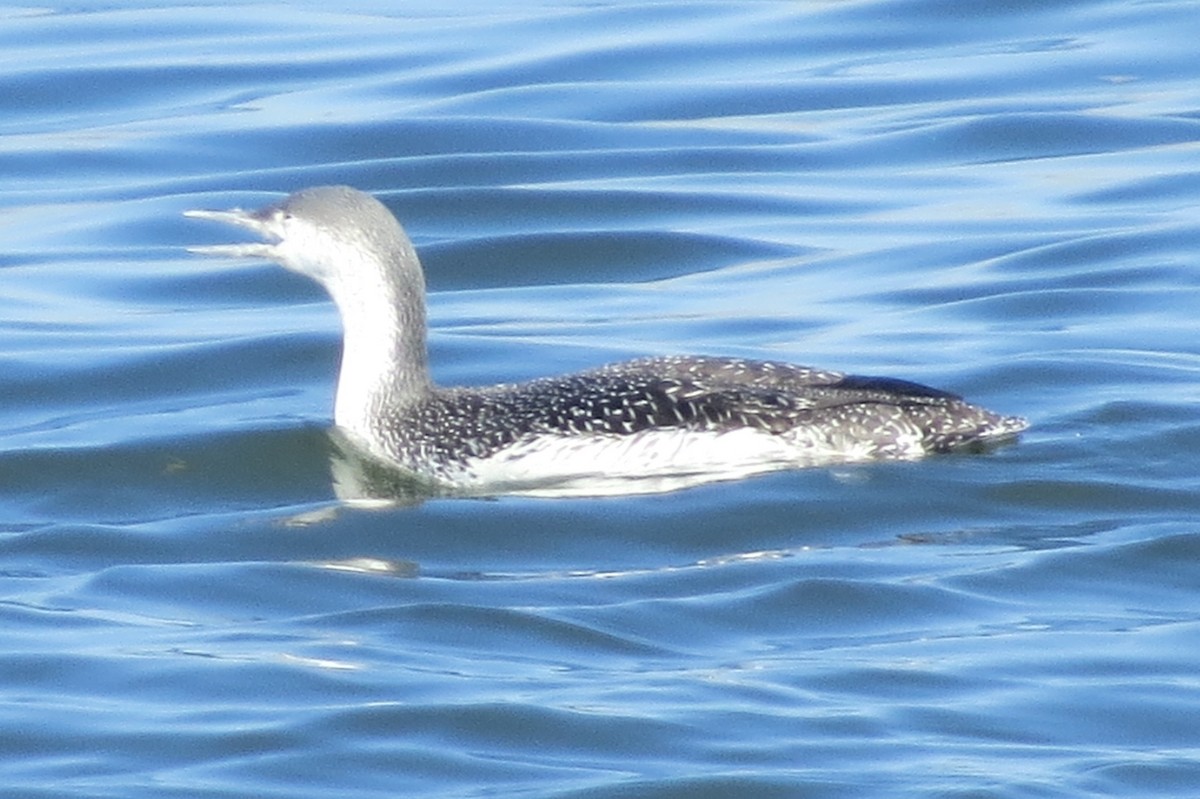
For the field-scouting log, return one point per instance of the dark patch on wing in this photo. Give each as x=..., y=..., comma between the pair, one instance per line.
x=891, y=387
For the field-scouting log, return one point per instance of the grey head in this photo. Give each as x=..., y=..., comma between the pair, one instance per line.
x=343, y=238
x=350, y=243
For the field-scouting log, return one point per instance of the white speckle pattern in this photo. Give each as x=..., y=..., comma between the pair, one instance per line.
x=644, y=425
x=677, y=416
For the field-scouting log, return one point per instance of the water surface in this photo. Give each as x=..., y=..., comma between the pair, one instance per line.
x=997, y=199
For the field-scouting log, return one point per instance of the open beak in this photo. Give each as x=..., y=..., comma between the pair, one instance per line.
x=251, y=220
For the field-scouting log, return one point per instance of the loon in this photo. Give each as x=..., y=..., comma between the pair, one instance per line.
x=646, y=425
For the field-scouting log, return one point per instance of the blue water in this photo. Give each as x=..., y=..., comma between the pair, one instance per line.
x=999, y=199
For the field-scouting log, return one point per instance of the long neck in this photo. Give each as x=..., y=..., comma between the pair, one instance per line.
x=385, y=365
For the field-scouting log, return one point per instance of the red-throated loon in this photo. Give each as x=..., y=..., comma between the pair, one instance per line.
x=644, y=425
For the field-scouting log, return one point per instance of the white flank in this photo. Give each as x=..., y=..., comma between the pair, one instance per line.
x=649, y=462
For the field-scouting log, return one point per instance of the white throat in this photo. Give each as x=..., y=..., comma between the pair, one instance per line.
x=384, y=362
